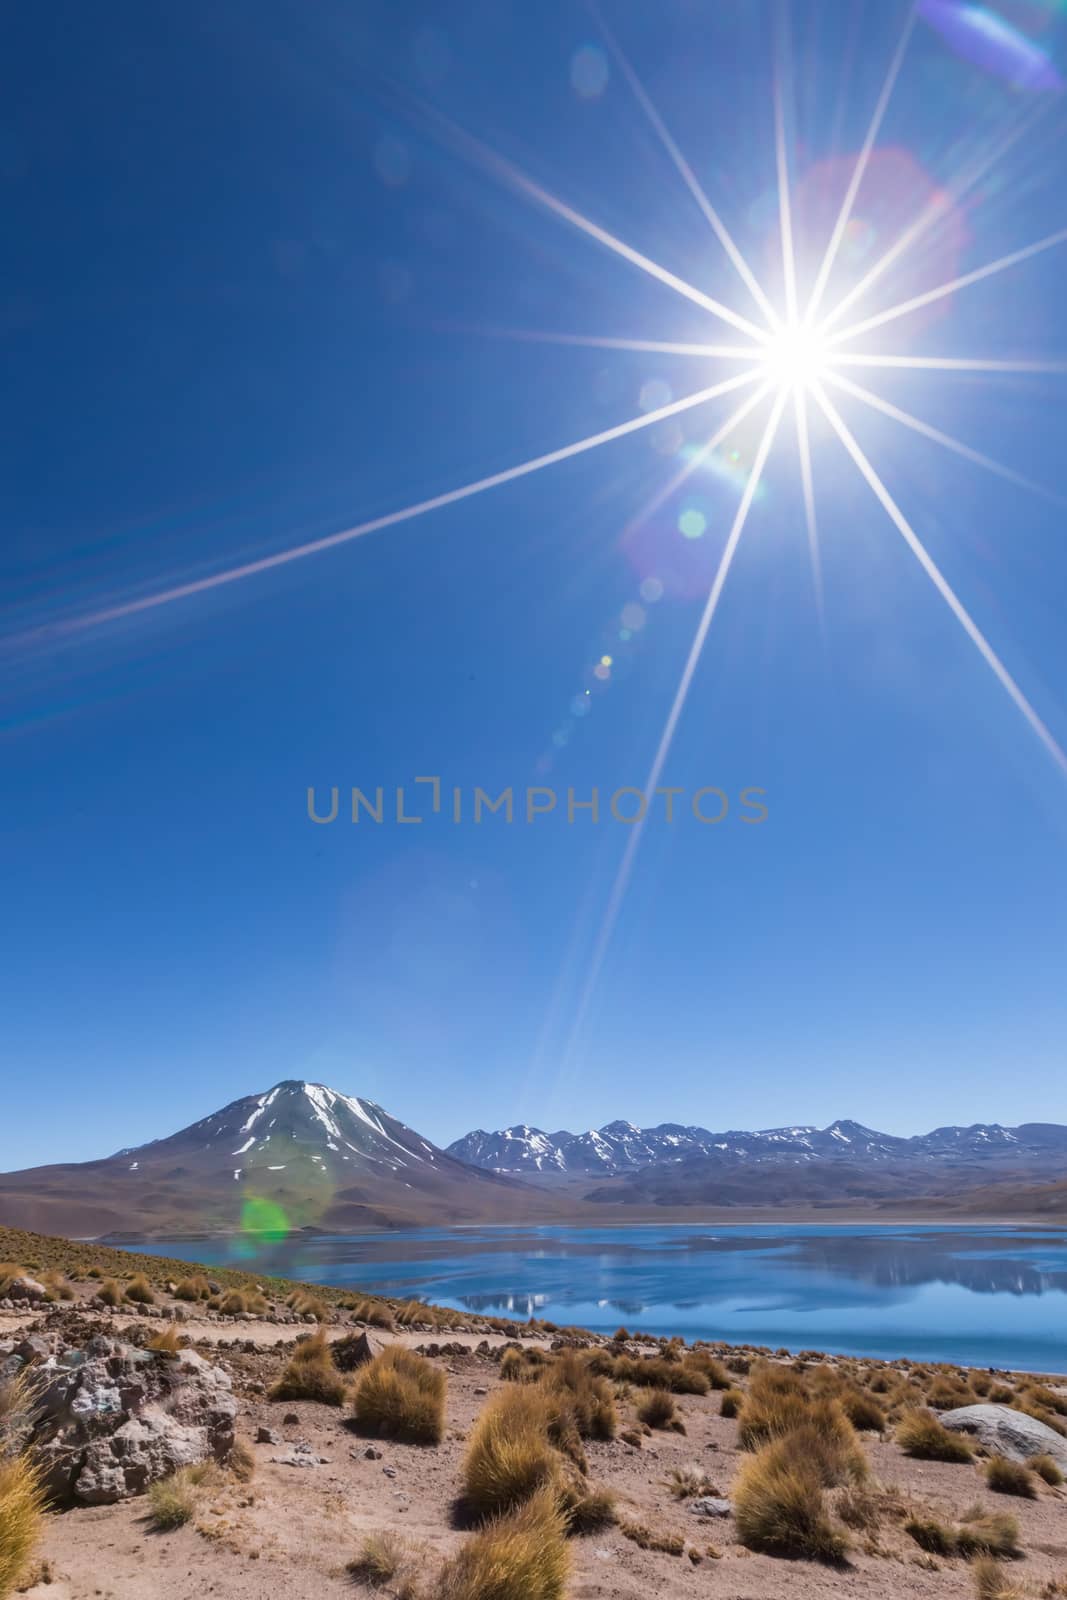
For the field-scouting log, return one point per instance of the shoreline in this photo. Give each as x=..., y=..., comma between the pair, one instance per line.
x=751, y=1219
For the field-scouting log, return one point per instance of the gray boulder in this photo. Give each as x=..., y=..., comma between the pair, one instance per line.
x=709, y=1505
x=113, y=1419
x=1007, y=1432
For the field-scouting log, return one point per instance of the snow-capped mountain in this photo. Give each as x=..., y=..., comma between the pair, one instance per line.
x=297, y=1155
x=622, y=1148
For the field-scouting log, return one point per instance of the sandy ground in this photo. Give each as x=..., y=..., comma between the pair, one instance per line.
x=290, y=1531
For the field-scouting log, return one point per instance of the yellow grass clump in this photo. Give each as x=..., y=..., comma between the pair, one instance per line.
x=586, y=1395
x=680, y=1377
x=193, y=1288
x=920, y=1434
x=381, y=1558
x=57, y=1286
x=657, y=1410
x=1047, y=1468
x=173, y=1501
x=979, y=1534
x=990, y=1581
x=521, y=1555
x=21, y=1507
x=307, y=1305
x=400, y=1395
x=510, y=1456
x=139, y=1290
x=1010, y=1477
x=780, y=1506
x=9, y=1271
x=311, y=1375
x=731, y=1402
x=167, y=1342
x=374, y=1313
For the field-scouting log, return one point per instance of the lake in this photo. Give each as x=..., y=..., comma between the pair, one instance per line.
x=978, y=1296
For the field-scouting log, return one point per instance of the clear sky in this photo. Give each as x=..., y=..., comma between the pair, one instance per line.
x=257, y=290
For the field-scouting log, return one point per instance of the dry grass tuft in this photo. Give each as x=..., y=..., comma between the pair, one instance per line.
x=167, y=1342
x=242, y=1462
x=862, y=1410
x=382, y=1557
x=57, y=1286
x=920, y=1434
x=522, y=1365
x=311, y=1375
x=139, y=1290
x=585, y=1507
x=657, y=1409
x=9, y=1271
x=510, y=1457
x=687, y=1483
x=1047, y=1469
x=937, y=1538
x=110, y=1292
x=586, y=1396
x=780, y=1505
x=195, y=1287
x=237, y=1302
x=18, y=1407
x=399, y=1395
x=522, y=1555
x=680, y=1377
x=1010, y=1477
x=669, y=1544
x=172, y=1501
x=307, y=1305
x=980, y=1534
x=990, y=1534
x=373, y=1313
x=731, y=1402
x=711, y=1368
x=990, y=1582
x=21, y=1508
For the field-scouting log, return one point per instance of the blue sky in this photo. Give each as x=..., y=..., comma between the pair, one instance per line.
x=253, y=297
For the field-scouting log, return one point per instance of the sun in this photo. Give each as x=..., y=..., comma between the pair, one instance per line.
x=796, y=357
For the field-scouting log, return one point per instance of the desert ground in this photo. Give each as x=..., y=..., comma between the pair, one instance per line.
x=315, y=1483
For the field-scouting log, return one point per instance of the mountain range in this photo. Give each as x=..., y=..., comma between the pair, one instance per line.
x=620, y=1147
x=303, y=1155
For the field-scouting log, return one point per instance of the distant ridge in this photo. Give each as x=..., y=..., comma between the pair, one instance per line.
x=1033, y=1149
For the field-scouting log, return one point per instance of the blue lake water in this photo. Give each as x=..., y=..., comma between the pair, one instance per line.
x=980, y=1296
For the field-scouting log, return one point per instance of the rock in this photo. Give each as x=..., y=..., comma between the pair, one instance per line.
x=26, y=1288
x=481, y=1391
x=371, y=1454
x=709, y=1505
x=266, y=1436
x=1007, y=1432
x=390, y=1472
x=301, y=1455
x=114, y=1418
x=34, y=1348
x=290, y=1420
x=357, y=1349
